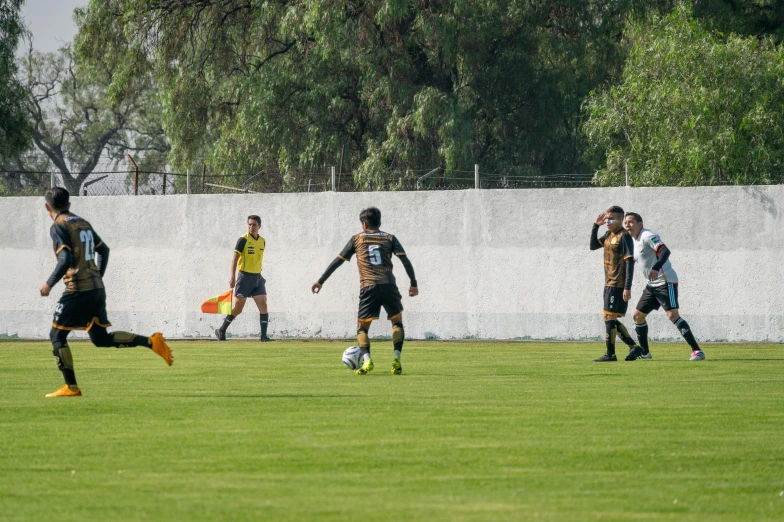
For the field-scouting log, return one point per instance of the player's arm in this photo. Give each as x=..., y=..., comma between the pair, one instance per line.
x=62, y=246
x=398, y=250
x=597, y=242
x=662, y=255
x=101, y=254
x=344, y=256
x=628, y=258
x=236, y=257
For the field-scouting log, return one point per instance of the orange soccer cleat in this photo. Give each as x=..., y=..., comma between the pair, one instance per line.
x=160, y=347
x=65, y=391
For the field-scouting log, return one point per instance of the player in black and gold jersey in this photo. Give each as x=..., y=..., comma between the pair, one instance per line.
x=82, y=259
x=618, y=274
x=247, y=259
x=374, y=250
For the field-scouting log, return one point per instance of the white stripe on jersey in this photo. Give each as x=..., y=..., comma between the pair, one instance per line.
x=645, y=256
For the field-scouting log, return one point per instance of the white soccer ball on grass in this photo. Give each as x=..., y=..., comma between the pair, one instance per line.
x=351, y=357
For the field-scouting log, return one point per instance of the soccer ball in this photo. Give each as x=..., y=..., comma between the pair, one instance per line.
x=351, y=357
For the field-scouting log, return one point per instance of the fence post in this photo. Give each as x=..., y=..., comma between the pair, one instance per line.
x=135, y=175
x=334, y=188
x=476, y=176
x=188, y=181
x=626, y=169
x=164, y=183
x=53, y=180
x=309, y=182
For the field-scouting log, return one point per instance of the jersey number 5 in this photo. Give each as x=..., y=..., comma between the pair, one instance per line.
x=86, y=236
x=374, y=254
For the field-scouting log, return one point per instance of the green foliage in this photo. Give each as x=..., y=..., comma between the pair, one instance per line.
x=14, y=128
x=693, y=108
x=375, y=86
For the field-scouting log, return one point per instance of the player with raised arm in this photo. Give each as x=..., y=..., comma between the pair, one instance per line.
x=374, y=250
x=247, y=259
x=82, y=259
x=661, y=289
x=618, y=275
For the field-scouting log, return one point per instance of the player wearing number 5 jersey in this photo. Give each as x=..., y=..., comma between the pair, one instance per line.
x=374, y=250
x=82, y=258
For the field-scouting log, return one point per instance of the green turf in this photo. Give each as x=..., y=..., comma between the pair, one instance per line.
x=470, y=431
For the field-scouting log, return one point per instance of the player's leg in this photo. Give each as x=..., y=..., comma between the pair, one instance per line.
x=393, y=306
x=369, y=308
x=260, y=298
x=641, y=329
x=239, y=304
x=671, y=309
x=64, y=361
x=611, y=311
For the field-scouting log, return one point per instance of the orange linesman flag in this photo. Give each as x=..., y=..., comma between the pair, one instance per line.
x=218, y=305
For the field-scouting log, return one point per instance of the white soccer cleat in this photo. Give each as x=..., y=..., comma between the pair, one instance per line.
x=697, y=355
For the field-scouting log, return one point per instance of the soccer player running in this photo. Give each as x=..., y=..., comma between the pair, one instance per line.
x=378, y=288
x=247, y=259
x=618, y=275
x=660, y=290
x=82, y=259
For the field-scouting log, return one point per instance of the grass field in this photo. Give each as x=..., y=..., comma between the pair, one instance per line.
x=470, y=431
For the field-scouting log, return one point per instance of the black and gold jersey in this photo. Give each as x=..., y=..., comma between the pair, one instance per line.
x=618, y=247
x=76, y=234
x=374, y=251
x=251, y=251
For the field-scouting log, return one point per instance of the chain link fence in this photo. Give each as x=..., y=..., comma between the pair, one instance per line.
x=131, y=182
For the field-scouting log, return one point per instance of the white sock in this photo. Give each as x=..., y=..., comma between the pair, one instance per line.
x=397, y=355
x=365, y=357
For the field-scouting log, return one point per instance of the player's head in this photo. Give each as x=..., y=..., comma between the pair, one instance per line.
x=57, y=199
x=254, y=222
x=614, y=218
x=370, y=218
x=633, y=223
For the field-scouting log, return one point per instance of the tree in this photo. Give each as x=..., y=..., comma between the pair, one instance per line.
x=378, y=86
x=694, y=107
x=14, y=130
x=75, y=124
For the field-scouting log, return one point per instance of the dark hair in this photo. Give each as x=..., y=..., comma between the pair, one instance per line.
x=635, y=215
x=615, y=209
x=371, y=216
x=58, y=198
x=255, y=218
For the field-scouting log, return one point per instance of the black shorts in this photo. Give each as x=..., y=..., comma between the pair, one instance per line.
x=652, y=297
x=372, y=298
x=81, y=310
x=613, y=301
x=249, y=285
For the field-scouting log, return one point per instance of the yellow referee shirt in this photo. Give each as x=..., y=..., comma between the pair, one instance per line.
x=251, y=253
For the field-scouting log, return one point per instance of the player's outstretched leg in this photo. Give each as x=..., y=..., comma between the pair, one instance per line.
x=220, y=333
x=634, y=350
x=683, y=327
x=398, y=336
x=363, y=340
x=64, y=360
x=609, y=342
x=119, y=339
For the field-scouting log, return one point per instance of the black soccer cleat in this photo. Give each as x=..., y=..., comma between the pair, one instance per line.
x=221, y=335
x=265, y=339
x=634, y=354
x=606, y=358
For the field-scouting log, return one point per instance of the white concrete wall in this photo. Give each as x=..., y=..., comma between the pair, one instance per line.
x=491, y=264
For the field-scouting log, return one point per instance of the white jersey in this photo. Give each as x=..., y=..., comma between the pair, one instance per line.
x=645, y=248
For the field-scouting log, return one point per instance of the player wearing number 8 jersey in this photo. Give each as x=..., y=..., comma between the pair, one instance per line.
x=374, y=250
x=82, y=258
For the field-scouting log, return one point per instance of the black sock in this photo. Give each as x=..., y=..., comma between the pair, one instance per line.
x=226, y=323
x=683, y=327
x=609, y=336
x=624, y=334
x=642, y=336
x=264, y=319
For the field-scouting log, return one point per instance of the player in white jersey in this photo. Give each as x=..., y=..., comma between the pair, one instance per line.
x=661, y=289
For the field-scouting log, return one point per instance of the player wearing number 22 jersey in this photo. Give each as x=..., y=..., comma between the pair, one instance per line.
x=374, y=250
x=82, y=258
